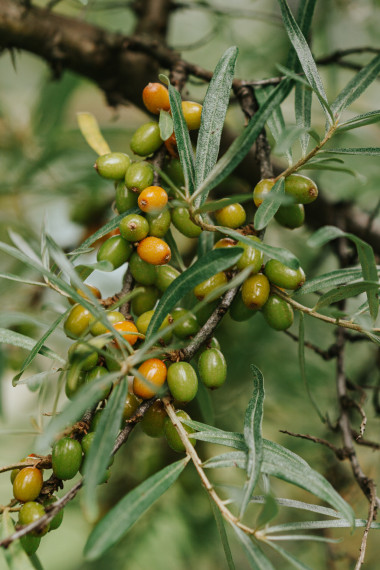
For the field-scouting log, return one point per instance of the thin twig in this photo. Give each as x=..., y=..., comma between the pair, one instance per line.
x=371, y=516
x=340, y=453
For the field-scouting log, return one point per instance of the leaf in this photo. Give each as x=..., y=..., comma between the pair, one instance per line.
x=268, y=512
x=38, y=346
x=23, y=341
x=165, y=123
x=89, y=128
x=346, y=292
x=304, y=18
x=365, y=255
x=342, y=169
x=129, y=509
x=15, y=555
x=360, y=121
x=205, y=404
x=331, y=279
x=302, y=107
x=356, y=86
x=86, y=397
x=231, y=459
x=305, y=57
x=176, y=256
x=301, y=360
x=223, y=535
x=269, y=207
x=284, y=255
x=97, y=459
x=300, y=505
x=255, y=556
x=214, y=111
x=253, y=436
x=185, y=150
x=368, y=151
x=202, y=269
x=12, y=277
x=230, y=439
x=242, y=145
x=289, y=557
x=218, y=204
x=276, y=122
x=319, y=525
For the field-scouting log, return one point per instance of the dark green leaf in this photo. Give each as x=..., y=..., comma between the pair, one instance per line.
x=360, y=121
x=285, y=256
x=269, y=207
x=166, y=125
x=97, y=459
x=14, y=555
x=214, y=110
x=367, y=151
x=176, y=256
x=253, y=436
x=302, y=363
x=205, y=404
x=123, y=516
x=185, y=150
x=331, y=279
x=223, y=535
x=289, y=557
x=346, y=292
x=255, y=556
x=209, y=264
x=302, y=105
x=23, y=341
x=356, y=86
x=268, y=512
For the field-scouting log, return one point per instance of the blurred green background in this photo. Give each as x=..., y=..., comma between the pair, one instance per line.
x=46, y=178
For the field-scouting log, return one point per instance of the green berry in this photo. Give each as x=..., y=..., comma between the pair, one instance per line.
x=301, y=188
x=134, y=227
x=139, y=176
x=231, y=216
x=142, y=272
x=283, y=276
x=143, y=321
x=291, y=217
x=171, y=434
x=262, y=190
x=77, y=322
x=174, y=170
x=165, y=275
x=66, y=458
x=125, y=198
x=251, y=257
x=75, y=378
x=212, y=368
x=146, y=140
x=57, y=520
x=205, y=288
x=116, y=250
x=185, y=323
x=159, y=223
x=205, y=312
x=112, y=165
x=87, y=442
x=255, y=291
x=145, y=300
x=95, y=420
x=30, y=543
x=154, y=419
x=132, y=402
x=182, y=381
x=278, y=313
x=83, y=355
x=31, y=512
x=183, y=223
x=239, y=311
x=96, y=373
x=97, y=328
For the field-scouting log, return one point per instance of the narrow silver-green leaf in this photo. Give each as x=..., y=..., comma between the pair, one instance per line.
x=229, y=439
x=302, y=364
x=360, y=121
x=209, y=264
x=185, y=149
x=332, y=168
x=223, y=535
x=305, y=57
x=15, y=556
x=255, y=556
x=304, y=18
x=231, y=459
x=269, y=207
x=176, y=256
x=346, y=292
x=23, y=280
x=294, y=504
x=253, y=436
x=165, y=123
x=214, y=111
x=319, y=525
x=86, y=397
x=331, y=279
x=23, y=341
x=129, y=509
x=284, y=255
x=276, y=122
x=268, y=512
x=356, y=86
x=97, y=459
x=302, y=107
x=367, y=151
x=289, y=557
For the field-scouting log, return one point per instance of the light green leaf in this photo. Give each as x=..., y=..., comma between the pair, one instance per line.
x=302, y=106
x=230, y=439
x=289, y=557
x=214, y=111
x=23, y=341
x=367, y=151
x=276, y=122
x=346, y=292
x=89, y=128
x=97, y=459
x=165, y=123
x=356, y=86
x=185, y=150
x=23, y=280
x=231, y=459
x=223, y=535
x=255, y=556
x=360, y=121
x=304, y=18
x=14, y=555
x=123, y=516
x=331, y=279
x=319, y=525
x=305, y=57
x=292, y=503
x=302, y=363
x=269, y=207
x=253, y=436
x=268, y=512
x=218, y=204
x=211, y=263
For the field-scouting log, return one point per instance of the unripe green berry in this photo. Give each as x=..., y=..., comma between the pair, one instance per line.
x=278, y=313
x=139, y=175
x=66, y=458
x=182, y=381
x=231, y=216
x=212, y=368
x=205, y=312
x=165, y=275
x=97, y=328
x=255, y=291
x=116, y=250
x=262, y=190
x=125, y=198
x=154, y=419
x=134, y=227
x=174, y=170
x=145, y=300
x=159, y=223
x=239, y=312
x=283, y=276
x=291, y=217
x=143, y=321
x=30, y=543
x=183, y=223
x=77, y=322
x=95, y=420
x=132, y=402
x=31, y=512
x=146, y=140
x=57, y=520
x=75, y=378
x=205, y=288
x=82, y=354
x=251, y=257
x=112, y=165
x=96, y=373
x=185, y=323
x=301, y=188
x=142, y=272
x=171, y=434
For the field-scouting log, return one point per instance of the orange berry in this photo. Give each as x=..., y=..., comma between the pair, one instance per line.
x=27, y=484
x=171, y=146
x=152, y=200
x=154, y=370
x=94, y=290
x=192, y=113
x=154, y=251
x=126, y=327
x=156, y=97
